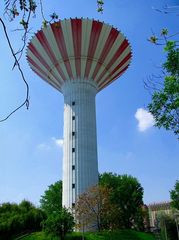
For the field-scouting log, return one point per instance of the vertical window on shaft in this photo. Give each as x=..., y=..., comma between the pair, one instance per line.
x=73, y=103
x=73, y=149
x=73, y=117
x=73, y=133
x=73, y=167
x=73, y=185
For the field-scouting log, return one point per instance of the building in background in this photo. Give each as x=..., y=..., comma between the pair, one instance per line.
x=156, y=209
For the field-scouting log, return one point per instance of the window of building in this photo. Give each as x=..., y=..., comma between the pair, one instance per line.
x=73, y=117
x=73, y=205
x=73, y=103
x=73, y=149
x=73, y=167
x=73, y=185
x=73, y=133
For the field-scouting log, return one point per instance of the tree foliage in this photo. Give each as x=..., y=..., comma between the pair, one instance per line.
x=174, y=195
x=94, y=210
x=51, y=201
x=164, y=104
x=127, y=194
x=59, y=223
x=115, y=203
x=17, y=219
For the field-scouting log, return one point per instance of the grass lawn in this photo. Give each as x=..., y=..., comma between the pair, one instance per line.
x=120, y=235
x=117, y=235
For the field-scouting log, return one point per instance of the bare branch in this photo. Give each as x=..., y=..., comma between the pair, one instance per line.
x=168, y=9
x=13, y=8
x=42, y=12
x=24, y=38
x=26, y=101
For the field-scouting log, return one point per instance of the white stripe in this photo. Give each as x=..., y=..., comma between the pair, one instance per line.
x=42, y=51
x=117, y=62
x=120, y=69
x=54, y=47
x=35, y=69
x=36, y=60
x=49, y=81
x=115, y=46
x=101, y=43
x=67, y=33
x=108, y=83
x=86, y=32
x=53, y=69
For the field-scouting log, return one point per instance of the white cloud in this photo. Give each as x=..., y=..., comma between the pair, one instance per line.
x=58, y=141
x=43, y=146
x=145, y=119
x=53, y=142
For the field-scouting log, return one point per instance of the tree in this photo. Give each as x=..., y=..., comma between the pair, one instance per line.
x=17, y=219
x=174, y=195
x=164, y=104
x=127, y=194
x=59, y=223
x=51, y=201
x=94, y=210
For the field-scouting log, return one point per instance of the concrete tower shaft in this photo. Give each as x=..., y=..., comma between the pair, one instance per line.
x=80, y=166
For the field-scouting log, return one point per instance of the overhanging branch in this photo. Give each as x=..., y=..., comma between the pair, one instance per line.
x=16, y=63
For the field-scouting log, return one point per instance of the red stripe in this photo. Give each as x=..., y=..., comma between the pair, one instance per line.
x=58, y=34
x=41, y=59
x=95, y=33
x=109, y=43
x=41, y=73
x=37, y=55
x=119, y=74
x=42, y=39
x=107, y=47
x=34, y=64
x=76, y=25
x=105, y=83
x=120, y=64
x=117, y=54
x=49, y=82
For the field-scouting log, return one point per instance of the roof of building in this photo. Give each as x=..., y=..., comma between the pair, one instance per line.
x=159, y=206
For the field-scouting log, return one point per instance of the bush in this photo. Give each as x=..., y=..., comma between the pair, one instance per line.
x=17, y=219
x=59, y=223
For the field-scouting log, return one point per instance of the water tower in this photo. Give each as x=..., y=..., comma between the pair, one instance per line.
x=79, y=57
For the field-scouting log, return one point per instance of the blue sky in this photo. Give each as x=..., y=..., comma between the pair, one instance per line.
x=31, y=141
